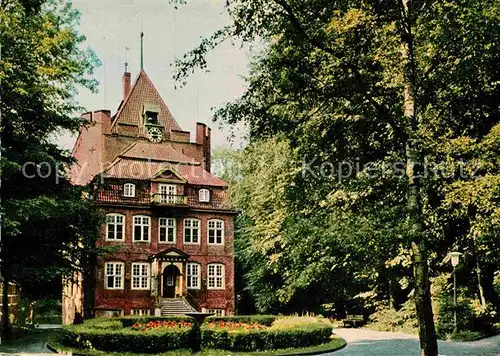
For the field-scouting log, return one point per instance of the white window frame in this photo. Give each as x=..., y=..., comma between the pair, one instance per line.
x=215, y=226
x=142, y=224
x=138, y=270
x=204, y=195
x=169, y=194
x=115, y=216
x=191, y=277
x=216, y=276
x=129, y=190
x=188, y=224
x=167, y=224
x=116, y=276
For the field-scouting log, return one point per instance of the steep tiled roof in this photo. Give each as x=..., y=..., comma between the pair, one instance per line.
x=143, y=92
x=139, y=169
x=157, y=152
x=198, y=176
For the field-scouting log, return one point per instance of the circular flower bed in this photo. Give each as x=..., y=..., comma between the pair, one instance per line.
x=157, y=334
x=233, y=326
x=167, y=324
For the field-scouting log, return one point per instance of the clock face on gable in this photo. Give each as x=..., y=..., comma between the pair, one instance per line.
x=154, y=134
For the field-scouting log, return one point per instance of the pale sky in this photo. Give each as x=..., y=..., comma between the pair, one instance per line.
x=111, y=26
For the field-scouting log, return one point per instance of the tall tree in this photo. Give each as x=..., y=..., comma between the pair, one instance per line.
x=46, y=225
x=372, y=82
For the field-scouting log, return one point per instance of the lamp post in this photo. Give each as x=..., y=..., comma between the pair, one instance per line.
x=455, y=257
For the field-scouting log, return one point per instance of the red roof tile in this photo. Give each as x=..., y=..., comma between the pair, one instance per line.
x=157, y=152
x=143, y=170
x=143, y=92
x=196, y=175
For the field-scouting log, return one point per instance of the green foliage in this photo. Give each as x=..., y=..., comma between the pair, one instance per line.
x=467, y=335
x=265, y=320
x=402, y=320
x=268, y=339
x=43, y=65
x=496, y=282
x=116, y=335
x=465, y=316
x=329, y=85
x=131, y=320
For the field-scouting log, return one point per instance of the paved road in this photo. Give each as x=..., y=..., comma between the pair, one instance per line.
x=35, y=343
x=361, y=342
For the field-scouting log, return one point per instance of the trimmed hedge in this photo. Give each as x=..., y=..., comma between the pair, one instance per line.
x=265, y=320
x=267, y=339
x=115, y=335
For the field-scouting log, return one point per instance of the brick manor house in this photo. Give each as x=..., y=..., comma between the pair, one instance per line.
x=166, y=214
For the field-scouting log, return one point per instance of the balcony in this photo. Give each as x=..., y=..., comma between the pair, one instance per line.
x=169, y=199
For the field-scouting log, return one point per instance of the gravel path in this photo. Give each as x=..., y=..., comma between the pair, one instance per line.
x=362, y=342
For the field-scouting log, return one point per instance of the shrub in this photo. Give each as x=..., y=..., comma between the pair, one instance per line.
x=388, y=319
x=467, y=335
x=265, y=320
x=302, y=335
x=117, y=335
x=465, y=316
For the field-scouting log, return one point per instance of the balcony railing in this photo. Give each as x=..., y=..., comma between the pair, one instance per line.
x=169, y=199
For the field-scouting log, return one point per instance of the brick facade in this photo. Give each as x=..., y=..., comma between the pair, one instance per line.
x=167, y=174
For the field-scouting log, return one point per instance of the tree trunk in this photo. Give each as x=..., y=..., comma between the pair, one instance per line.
x=478, y=274
x=5, y=309
x=427, y=332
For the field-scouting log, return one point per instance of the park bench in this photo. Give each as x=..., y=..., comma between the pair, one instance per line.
x=353, y=320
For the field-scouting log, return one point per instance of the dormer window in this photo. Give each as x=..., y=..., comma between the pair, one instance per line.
x=204, y=195
x=129, y=190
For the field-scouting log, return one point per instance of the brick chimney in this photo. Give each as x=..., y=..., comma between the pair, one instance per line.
x=203, y=139
x=126, y=84
x=208, y=152
x=200, y=133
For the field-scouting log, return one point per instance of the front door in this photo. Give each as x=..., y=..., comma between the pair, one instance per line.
x=170, y=274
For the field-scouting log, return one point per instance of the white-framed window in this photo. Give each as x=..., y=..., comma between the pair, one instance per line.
x=141, y=227
x=113, y=275
x=115, y=227
x=216, y=275
x=168, y=193
x=217, y=312
x=167, y=230
x=129, y=190
x=140, y=275
x=192, y=231
x=193, y=275
x=141, y=312
x=215, y=232
x=204, y=195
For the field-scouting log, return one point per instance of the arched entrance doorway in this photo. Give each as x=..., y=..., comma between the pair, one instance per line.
x=170, y=274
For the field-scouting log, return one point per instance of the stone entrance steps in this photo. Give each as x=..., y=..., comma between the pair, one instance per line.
x=175, y=306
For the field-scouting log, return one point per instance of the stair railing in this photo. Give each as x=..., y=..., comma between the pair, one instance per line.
x=193, y=302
